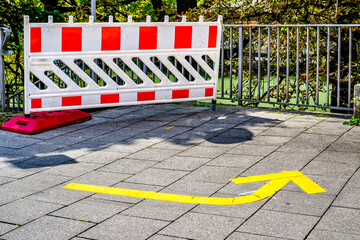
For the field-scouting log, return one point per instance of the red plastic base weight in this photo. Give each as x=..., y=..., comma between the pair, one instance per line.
x=44, y=121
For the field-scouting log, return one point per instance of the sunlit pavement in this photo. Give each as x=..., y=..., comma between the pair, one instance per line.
x=184, y=151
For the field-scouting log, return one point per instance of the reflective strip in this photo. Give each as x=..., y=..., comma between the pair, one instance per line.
x=109, y=98
x=197, y=92
x=183, y=36
x=146, y=96
x=110, y=38
x=212, y=36
x=51, y=102
x=128, y=97
x=71, y=101
x=180, y=94
x=91, y=99
x=147, y=38
x=35, y=39
x=36, y=103
x=209, y=92
x=71, y=39
x=163, y=95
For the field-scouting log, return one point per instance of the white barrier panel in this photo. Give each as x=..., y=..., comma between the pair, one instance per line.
x=90, y=65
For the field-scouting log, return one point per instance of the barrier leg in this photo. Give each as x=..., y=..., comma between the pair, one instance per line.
x=213, y=105
x=27, y=115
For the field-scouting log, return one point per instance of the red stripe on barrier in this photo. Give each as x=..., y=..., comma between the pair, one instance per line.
x=209, y=92
x=35, y=39
x=71, y=39
x=212, y=36
x=180, y=93
x=183, y=36
x=109, y=98
x=110, y=38
x=70, y=101
x=146, y=96
x=36, y=103
x=147, y=38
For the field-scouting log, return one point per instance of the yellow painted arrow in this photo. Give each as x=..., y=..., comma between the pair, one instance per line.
x=277, y=181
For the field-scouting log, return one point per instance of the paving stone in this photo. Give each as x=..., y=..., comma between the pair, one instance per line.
x=248, y=236
x=100, y=178
x=219, y=142
x=4, y=180
x=241, y=189
x=311, y=141
x=248, y=149
x=59, y=195
x=50, y=160
x=279, y=224
x=217, y=128
x=20, y=170
x=349, y=197
x=91, y=210
x=4, y=228
x=195, y=136
x=283, y=131
x=214, y=174
x=9, y=194
x=8, y=160
x=182, y=163
x=322, y=130
x=296, y=123
x=301, y=203
x=269, y=140
x=202, y=226
x=234, y=160
x=125, y=185
x=129, y=146
x=207, y=152
x=350, y=158
x=169, y=130
x=103, y=157
x=341, y=220
x=17, y=142
x=237, y=133
x=163, y=237
x=268, y=167
x=125, y=227
x=237, y=211
x=128, y=166
x=72, y=170
x=23, y=211
x=166, y=117
x=193, y=188
x=326, y=235
x=49, y=227
x=160, y=210
x=329, y=169
x=154, y=176
x=154, y=154
x=345, y=146
x=175, y=144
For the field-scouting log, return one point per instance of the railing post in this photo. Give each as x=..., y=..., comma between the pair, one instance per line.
x=3, y=40
x=357, y=101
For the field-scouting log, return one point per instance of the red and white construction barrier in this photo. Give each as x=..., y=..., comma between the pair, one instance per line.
x=88, y=65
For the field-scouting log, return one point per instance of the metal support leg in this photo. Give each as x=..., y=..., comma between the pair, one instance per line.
x=213, y=105
x=357, y=101
x=27, y=115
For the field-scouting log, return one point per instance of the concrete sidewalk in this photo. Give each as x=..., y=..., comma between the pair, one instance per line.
x=185, y=150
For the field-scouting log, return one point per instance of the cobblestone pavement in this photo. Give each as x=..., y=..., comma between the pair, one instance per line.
x=185, y=150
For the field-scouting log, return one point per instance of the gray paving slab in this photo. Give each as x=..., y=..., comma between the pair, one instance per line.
x=160, y=210
x=17, y=142
x=49, y=227
x=329, y=169
x=23, y=211
x=345, y=146
x=248, y=236
x=156, y=176
x=234, y=160
x=163, y=237
x=342, y=220
x=128, y=166
x=4, y=180
x=311, y=141
x=5, y=227
x=175, y=144
x=100, y=178
x=350, y=158
x=182, y=163
x=20, y=170
x=349, y=197
x=154, y=154
x=102, y=157
x=201, y=226
x=91, y=210
x=72, y=170
x=248, y=149
x=282, y=131
x=193, y=188
x=214, y=174
x=279, y=224
x=125, y=227
x=208, y=152
x=301, y=203
x=325, y=235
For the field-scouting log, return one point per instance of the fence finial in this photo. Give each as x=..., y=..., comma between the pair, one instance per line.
x=111, y=19
x=50, y=19
x=166, y=18
x=91, y=19
x=129, y=19
x=148, y=19
x=183, y=19
x=71, y=19
x=201, y=18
